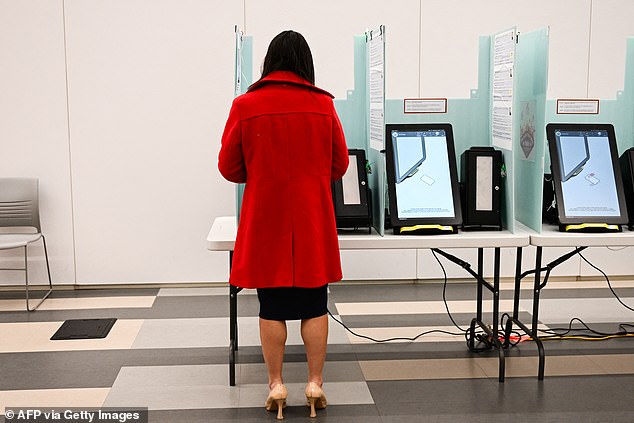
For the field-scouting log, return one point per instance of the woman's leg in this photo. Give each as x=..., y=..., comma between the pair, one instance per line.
x=315, y=336
x=273, y=339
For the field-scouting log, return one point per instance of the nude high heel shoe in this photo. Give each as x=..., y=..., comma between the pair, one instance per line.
x=316, y=398
x=276, y=400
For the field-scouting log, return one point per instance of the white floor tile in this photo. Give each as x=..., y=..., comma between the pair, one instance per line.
x=35, y=336
x=85, y=303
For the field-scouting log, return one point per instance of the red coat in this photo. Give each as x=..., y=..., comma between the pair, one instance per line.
x=284, y=139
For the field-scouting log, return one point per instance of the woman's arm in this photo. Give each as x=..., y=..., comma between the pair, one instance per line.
x=230, y=159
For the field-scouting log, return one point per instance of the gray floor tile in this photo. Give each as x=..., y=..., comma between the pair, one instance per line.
x=214, y=332
x=465, y=368
x=462, y=319
x=334, y=371
x=178, y=365
x=583, y=293
x=49, y=370
x=337, y=393
x=80, y=369
x=171, y=376
x=584, y=394
x=197, y=416
x=179, y=306
x=554, y=417
x=183, y=333
x=197, y=387
x=174, y=398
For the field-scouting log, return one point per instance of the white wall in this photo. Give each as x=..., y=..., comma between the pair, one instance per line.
x=149, y=87
x=128, y=175
x=34, y=127
x=329, y=27
x=450, y=31
x=611, y=24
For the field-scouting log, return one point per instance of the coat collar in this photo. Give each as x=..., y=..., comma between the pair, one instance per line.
x=286, y=77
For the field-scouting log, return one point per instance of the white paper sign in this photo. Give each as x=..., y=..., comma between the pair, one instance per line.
x=425, y=105
x=577, y=107
x=503, y=68
x=376, y=68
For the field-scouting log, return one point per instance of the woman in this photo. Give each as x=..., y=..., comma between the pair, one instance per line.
x=284, y=139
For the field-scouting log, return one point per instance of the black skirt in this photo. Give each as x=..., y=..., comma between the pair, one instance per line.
x=293, y=303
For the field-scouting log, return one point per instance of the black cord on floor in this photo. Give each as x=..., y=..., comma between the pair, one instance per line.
x=607, y=280
x=444, y=289
x=591, y=334
x=516, y=336
x=464, y=332
x=553, y=333
x=391, y=339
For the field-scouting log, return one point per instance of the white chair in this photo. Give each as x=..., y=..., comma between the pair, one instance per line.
x=19, y=208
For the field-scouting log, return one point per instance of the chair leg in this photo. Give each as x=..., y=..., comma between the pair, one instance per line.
x=48, y=267
x=26, y=274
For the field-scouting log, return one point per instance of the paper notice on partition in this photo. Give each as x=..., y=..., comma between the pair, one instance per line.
x=579, y=107
x=502, y=104
x=376, y=70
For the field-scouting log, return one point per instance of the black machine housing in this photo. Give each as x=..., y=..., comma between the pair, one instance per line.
x=481, y=188
x=357, y=214
x=627, y=172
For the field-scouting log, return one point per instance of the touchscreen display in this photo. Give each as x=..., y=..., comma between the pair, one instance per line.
x=423, y=178
x=587, y=174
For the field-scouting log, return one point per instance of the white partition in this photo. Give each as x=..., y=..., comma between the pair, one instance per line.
x=151, y=83
x=34, y=130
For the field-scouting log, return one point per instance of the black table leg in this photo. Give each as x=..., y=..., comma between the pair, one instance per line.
x=516, y=299
x=538, y=285
x=496, y=314
x=518, y=281
x=233, y=326
x=514, y=319
x=480, y=279
x=536, y=290
x=492, y=339
x=496, y=292
x=478, y=318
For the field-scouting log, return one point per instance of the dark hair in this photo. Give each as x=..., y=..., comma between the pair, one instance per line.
x=289, y=51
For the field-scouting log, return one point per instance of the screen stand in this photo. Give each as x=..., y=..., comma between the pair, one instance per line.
x=425, y=230
x=590, y=227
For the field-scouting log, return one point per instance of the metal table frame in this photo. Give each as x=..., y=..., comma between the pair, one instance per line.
x=550, y=236
x=222, y=238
